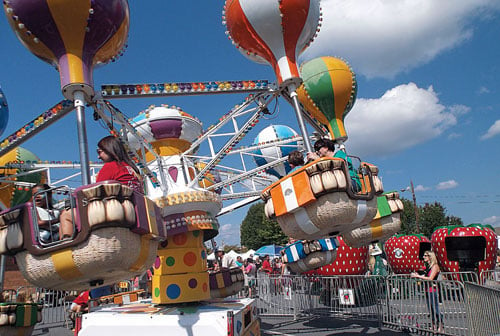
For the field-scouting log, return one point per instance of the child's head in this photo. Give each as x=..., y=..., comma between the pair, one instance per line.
x=295, y=159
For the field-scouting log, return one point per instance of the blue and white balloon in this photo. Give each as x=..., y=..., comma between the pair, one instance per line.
x=4, y=112
x=270, y=154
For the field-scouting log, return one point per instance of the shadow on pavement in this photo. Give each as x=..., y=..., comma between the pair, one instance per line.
x=323, y=326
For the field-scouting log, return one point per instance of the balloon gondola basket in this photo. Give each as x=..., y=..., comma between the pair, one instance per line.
x=108, y=256
x=107, y=246
x=19, y=318
x=226, y=282
x=318, y=200
x=386, y=223
x=305, y=255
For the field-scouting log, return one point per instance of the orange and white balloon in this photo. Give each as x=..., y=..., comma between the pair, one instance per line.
x=273, y=31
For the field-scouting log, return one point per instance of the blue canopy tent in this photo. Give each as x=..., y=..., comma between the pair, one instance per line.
x=272, y=250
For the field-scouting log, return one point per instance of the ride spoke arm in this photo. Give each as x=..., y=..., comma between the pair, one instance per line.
x=35, y=126
x=248, y=174
x=222, y=121
x=238, y=135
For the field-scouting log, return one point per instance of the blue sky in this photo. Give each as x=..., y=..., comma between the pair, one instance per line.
x=427, y=106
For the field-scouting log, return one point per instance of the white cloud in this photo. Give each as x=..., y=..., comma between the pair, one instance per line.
x=483, y=90
x=459, y=110
x=384, y=38
x=447, y=185
x=403, y=117
x=493, y=221
x=225, y=228
x=492, y=131
x=228, y=235
x=421, y=188
x=454, y=135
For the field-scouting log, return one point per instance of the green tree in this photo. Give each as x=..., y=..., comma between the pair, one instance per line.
x=257, y=230
x=430, y=216
x=408, y=225
x=452, y=220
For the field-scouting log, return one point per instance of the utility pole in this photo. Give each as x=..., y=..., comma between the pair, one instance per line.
x=415, y=206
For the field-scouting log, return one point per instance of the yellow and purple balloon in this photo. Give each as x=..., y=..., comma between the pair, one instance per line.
x=72, y=35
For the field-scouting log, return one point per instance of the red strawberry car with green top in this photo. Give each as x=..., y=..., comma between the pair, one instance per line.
x=465, y=248
x=405, y=252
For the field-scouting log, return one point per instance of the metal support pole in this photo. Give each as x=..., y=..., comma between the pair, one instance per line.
x=82, y=136
x=214, y=248
x=300, y=119
x=2, y=272
x=415, y=206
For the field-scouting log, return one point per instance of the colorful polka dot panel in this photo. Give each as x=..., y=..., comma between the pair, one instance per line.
x=180, y=260
x=186, y=239
x=180, y=288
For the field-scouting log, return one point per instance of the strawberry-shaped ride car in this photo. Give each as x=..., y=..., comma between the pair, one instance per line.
x=465, y=248
x=405, y=252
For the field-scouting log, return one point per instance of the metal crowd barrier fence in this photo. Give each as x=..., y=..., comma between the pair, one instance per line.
x=280, y=295
x=55, y=304
x=483, y=310
x=340, y=296
x=346, y=296
x=490, y=278
x=460, y=276
x=421, y=306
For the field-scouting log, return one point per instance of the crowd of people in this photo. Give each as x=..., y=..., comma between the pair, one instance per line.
x=251, y=266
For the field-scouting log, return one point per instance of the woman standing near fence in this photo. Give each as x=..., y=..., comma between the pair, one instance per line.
x=432, y=295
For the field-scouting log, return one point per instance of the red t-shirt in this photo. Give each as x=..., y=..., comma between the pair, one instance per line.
x=266, y=266
x=121, y=172
x=82, y=298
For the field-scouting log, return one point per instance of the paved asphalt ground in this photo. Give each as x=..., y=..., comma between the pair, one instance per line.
x=281, y=327
x=323, y=327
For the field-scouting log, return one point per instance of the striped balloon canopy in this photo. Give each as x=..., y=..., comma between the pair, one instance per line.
x=10, y=194
x=273, y=31
x=73, y=35
x=266, y=155
x=328, y=92
x=4, y=111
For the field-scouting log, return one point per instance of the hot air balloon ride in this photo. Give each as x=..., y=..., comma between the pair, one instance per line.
x=349, y=261
x=332, y=204
x=74, y=37
x=275, y=32
x=107, y=216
